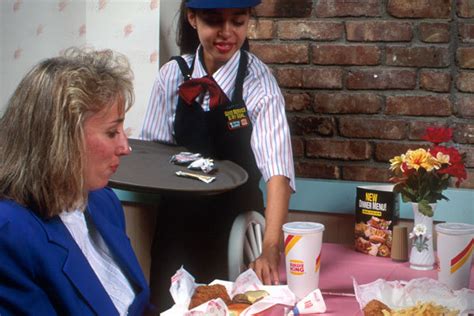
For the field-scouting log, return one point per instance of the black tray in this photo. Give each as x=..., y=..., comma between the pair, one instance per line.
x=148, y=169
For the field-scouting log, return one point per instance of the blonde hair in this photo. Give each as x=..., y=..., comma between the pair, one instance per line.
x=41, y=132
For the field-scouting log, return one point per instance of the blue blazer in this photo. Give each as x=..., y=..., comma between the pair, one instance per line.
x=43, y=271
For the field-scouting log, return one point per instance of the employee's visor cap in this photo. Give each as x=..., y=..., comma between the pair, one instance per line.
x=221, y=4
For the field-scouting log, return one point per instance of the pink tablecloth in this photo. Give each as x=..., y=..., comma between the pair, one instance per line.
x=340, y=263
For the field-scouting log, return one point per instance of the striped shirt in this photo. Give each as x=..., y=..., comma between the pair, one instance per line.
x=97, y=254
x=270, y=140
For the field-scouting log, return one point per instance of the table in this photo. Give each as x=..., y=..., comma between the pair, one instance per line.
x=148, y=170
x=340, y=263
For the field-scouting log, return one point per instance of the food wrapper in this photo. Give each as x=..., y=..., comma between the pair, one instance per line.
x=403, y=294
x=200, y=177
x=280, y=300
x=204, y=164
x=185, y=157
x=194, y=161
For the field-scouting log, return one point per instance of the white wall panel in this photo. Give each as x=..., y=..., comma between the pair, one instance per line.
x=32, y=30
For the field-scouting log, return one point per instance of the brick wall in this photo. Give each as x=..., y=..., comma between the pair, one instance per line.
x=362, y=79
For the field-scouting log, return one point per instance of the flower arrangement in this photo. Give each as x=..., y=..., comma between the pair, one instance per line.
x=421, y=175
x=420, y=237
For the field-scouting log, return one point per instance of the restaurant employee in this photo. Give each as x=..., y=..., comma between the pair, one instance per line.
x=220, y=100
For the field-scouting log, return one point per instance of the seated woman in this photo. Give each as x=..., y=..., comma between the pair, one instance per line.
x=63, y=246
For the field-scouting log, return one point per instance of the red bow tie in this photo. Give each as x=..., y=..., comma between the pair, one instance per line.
x=191, y=89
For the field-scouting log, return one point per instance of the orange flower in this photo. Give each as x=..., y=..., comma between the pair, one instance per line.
x=397, y=162
x=420, y=158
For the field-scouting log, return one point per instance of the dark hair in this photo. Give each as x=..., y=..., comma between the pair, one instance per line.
x=187, y=37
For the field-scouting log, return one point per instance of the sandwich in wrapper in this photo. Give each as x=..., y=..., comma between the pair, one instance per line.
x=277, y=299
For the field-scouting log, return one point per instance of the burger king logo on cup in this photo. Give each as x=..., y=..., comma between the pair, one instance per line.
x=296, y=267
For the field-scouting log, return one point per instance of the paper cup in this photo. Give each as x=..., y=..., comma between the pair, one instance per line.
x=455, y=246
x=303, y=241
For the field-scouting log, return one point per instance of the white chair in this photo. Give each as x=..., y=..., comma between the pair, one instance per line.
x=245, y=242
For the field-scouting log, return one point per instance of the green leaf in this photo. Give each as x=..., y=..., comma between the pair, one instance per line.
x=406, y=198
x=411, y=194
x=425, y=208
x=444, y=197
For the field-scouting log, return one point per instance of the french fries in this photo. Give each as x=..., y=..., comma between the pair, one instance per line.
x=422, y=309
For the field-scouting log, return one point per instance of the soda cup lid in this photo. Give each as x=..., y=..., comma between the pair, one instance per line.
x=303, y=227
x=455, y=228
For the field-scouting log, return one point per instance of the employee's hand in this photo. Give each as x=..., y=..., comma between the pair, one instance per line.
x=266, y=266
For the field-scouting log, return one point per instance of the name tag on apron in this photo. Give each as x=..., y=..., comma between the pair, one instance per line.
x=236, y=118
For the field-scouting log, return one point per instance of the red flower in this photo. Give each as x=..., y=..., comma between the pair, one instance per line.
x=407, y=171
x=456, y=170
x=454, y=155
x=438, y=135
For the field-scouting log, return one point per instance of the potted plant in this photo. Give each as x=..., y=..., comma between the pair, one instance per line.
x=420, y=176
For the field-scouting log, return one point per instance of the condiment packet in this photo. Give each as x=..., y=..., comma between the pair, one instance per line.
x=203, y=178
x=311, y=304
x=204, y=164
x=184, y=158
x=403, y=294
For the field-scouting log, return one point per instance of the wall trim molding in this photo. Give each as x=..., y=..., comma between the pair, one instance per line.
x=338, y=197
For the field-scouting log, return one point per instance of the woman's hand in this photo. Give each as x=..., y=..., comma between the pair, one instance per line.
x=266, y=266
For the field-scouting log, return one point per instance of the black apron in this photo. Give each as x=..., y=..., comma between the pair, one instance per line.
x=194, y=231
x=222, y=133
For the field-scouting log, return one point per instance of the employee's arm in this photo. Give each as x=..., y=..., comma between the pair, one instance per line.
x=276, y=213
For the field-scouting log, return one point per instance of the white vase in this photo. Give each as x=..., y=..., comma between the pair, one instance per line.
x=422, y=258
